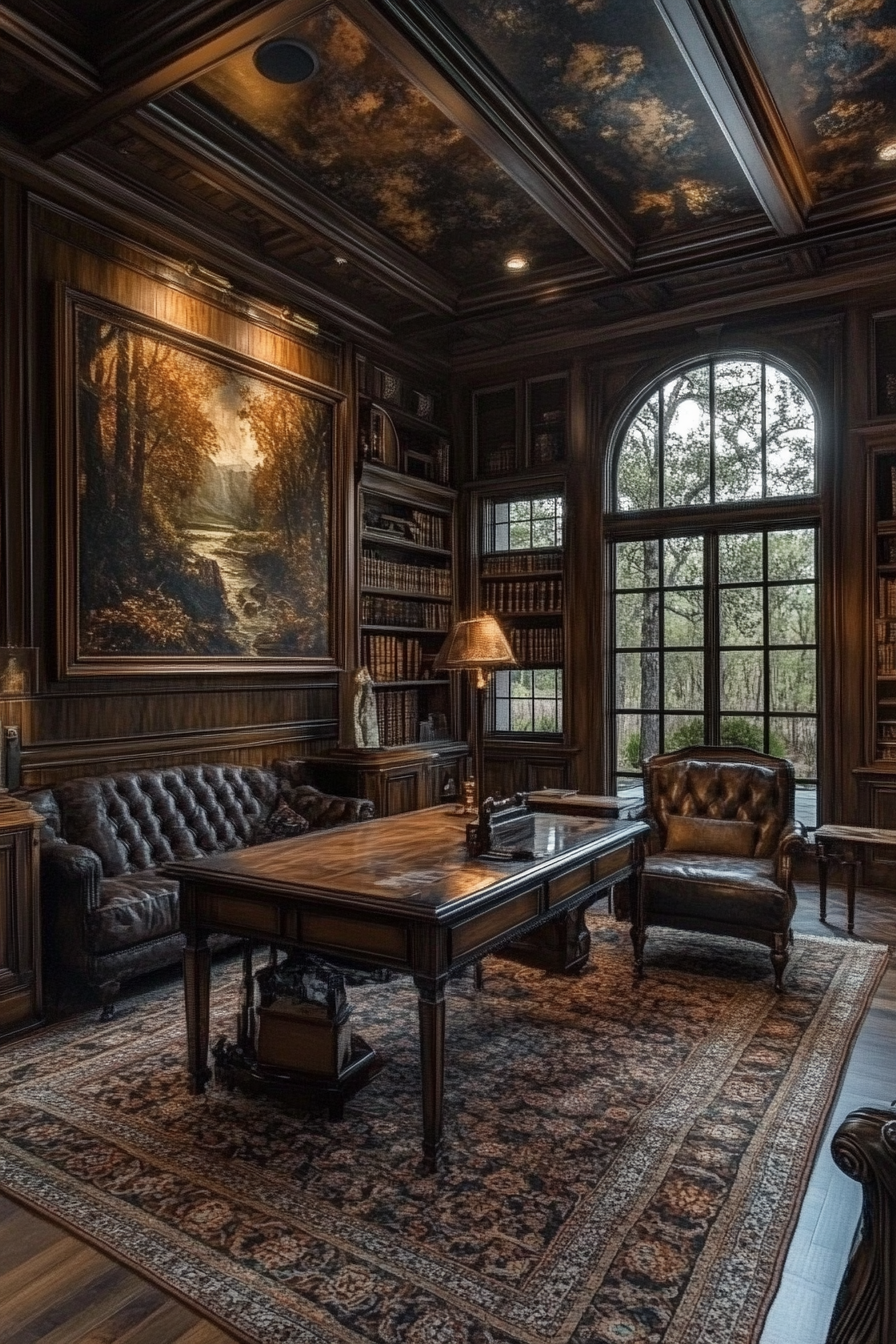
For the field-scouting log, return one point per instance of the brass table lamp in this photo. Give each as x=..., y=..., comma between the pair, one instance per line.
x=478, y=646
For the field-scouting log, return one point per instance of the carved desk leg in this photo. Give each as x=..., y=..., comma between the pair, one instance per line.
x=197, y=976
x=245, y=1026
x=864, y=1147
x=431, y=1010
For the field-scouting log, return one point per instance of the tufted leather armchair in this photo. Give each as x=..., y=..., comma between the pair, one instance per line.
x=108, y=913
x=721, y=849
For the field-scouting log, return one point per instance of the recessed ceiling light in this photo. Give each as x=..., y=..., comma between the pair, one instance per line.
x=516, y=262
x=887, y=151
x=285, y=61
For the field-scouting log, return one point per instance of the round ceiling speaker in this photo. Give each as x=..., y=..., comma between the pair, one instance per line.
x=285, y=60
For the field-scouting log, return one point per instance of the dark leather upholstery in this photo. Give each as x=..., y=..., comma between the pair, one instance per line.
x=744, y=897
x=108, y=913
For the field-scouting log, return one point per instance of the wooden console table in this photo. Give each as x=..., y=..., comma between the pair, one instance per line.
x=400, y=892
x=846, y=845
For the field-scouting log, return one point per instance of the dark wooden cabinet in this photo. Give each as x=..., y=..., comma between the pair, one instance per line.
x=21, y=1003
x=521, y=425
x=399, y=779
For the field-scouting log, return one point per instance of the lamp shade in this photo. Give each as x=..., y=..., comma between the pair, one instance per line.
x=477, y=643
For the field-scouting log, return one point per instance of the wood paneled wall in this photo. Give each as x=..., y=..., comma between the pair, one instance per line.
x=85, y=725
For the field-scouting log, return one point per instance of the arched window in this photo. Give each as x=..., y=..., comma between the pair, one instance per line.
x=714, y=545
x=722, y=431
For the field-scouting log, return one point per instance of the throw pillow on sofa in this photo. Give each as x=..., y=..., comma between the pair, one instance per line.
x=283, y=823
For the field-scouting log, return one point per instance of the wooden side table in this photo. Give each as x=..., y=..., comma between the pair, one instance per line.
x=845, y=845
x=21, y=1003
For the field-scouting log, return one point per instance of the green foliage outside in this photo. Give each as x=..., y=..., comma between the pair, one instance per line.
x=736, y=732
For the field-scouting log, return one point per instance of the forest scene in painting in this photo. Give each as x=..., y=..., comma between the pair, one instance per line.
x=203, y=504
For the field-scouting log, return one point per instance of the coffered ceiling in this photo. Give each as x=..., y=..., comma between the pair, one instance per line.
x=638, y=155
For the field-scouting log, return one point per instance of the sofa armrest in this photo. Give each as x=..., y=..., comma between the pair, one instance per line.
x=323, y=810
x=70, y=874
x=792, y=844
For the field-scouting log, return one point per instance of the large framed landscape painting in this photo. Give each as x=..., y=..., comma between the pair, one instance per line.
x=195, y=504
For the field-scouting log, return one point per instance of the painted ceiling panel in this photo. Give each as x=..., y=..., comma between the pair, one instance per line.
x=607, y=80
x=362, y=133
x=830, y=66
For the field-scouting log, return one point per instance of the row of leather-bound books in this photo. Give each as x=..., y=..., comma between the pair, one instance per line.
x=377, y=610
x=392, y=658
x=523, y=596
x=398, y=717
x=379, y=573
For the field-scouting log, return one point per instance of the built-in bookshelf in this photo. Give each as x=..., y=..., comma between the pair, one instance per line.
x=884, y=505
x=521, y=581
x=406, y=602
x=399, y=426
x=518, y=426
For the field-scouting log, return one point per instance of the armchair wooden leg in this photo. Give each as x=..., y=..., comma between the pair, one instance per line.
x=780, y=957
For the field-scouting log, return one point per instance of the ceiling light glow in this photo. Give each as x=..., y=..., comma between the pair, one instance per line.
x=516, y=262
x=887, y=152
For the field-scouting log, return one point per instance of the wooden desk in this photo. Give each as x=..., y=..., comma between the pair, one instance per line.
x=399, y=892
x=846, y=844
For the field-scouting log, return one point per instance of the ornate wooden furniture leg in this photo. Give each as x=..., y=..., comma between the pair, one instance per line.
x=822, y=880
x=850, y=862
x=197, y=974
x=245, y=1030
x=864, y=1147
x=431, y=1010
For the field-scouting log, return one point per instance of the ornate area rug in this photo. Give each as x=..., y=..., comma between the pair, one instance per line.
x=624, y=1161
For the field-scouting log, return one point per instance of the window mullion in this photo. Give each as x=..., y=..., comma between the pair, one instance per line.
x=712, y=628
x=766, y=652
x=712, y=431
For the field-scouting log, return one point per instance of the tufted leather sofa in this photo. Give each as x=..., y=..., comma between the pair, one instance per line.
x=108, y=914
x=734, y=875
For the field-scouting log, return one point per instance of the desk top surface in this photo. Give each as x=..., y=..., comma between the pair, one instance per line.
x=416, y=859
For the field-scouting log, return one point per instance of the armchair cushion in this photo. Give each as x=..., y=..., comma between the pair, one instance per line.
x=715, y=888
x=710, y=835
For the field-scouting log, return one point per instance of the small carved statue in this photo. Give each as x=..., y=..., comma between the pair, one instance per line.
x=367, y=729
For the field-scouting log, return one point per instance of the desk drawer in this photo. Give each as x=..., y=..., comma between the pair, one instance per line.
x=482, y=928
x=577, y=880
x=238, y=916
x=354, y=935
x=612, y=863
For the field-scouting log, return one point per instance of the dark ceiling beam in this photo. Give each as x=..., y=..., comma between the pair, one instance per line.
x=435, y=56
x=92, y=183
x=164, y=70
x=49, y=56
x=223, y=155
x=709, y=38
